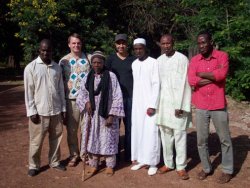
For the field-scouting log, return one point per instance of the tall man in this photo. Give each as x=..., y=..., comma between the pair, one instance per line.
x=207, y=77
x=145, y=133
x=75, y=66
x=120, y=63
x=173, y=116
x=45, y=106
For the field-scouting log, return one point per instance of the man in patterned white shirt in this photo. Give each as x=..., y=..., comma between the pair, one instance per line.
x=75, y=66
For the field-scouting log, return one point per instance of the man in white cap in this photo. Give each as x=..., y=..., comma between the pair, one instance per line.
x=145, y=137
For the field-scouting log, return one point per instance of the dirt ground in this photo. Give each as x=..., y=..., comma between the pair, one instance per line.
x=14, y=139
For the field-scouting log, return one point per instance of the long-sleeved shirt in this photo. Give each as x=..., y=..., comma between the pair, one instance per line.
x=210, y=96
x=74, y=70
x=175, y=92
x=44, y=90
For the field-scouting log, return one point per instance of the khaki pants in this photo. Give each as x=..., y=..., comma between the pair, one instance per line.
x=74, y=120
x=37, y=132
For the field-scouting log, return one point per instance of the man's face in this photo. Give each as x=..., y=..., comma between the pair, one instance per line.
x=45, y=52
x=204, y=44
x=167, y=45
x=121, y=46
x=139, y=50
x=75, y=45
x=97, y=64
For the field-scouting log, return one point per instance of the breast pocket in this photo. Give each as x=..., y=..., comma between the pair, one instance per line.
x=55, y=75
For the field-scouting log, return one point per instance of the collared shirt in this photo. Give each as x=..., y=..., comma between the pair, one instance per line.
x=74, y=70
x=210, y=96
x=44, y=91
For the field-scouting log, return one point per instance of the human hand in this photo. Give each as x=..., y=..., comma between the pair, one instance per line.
x=109, y=120
x=178, y=113
x=64, y=118
x=88, y=108
x=150, y=111
x=35, y=119
x=204, y=82
x=199, y=74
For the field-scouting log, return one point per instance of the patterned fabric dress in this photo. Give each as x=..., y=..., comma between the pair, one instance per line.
x=102, y=140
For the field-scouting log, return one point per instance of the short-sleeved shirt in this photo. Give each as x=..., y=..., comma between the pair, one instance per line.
x=123, y=71
x=74, y=71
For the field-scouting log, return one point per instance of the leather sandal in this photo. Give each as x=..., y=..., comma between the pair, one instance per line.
x=109, y=171
x=203, y=175
x=73, y=161
x=164, y=169
x=91, y=171
x=224, y=178
x=183, y=174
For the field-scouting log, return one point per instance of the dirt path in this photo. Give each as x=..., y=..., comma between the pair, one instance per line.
x=14, y=155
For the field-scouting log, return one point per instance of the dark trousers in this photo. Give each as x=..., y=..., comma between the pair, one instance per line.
x=127, y=102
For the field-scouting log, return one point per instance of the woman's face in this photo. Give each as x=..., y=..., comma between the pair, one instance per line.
x=97, y=64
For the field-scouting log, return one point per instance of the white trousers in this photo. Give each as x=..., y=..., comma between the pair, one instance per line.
x=169, y=138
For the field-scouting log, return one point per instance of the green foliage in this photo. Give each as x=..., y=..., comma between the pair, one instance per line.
x=238, y=82
x=228, y=21
x=56, y=20
x=99, y=20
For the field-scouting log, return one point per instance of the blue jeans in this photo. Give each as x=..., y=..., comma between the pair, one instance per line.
x=127, y=123
x=220, y=120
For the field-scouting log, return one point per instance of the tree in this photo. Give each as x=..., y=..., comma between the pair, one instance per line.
x=9, y=44
x=56, y=20
x=228, y=21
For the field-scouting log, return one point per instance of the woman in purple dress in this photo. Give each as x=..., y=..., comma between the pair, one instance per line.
x=100, y=99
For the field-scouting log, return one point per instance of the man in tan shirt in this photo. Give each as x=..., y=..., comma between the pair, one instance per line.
x=45, y=106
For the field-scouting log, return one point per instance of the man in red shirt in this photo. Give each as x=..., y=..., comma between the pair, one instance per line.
x=207, y=77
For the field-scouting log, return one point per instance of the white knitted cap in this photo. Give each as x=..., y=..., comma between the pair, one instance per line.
x=140, y=41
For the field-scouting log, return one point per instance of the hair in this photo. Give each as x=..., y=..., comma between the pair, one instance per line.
x=46, y=41
x=75, y=35
x=168, y=35
x=207, y=33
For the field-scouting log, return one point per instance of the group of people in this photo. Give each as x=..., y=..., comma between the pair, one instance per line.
x=152, y=97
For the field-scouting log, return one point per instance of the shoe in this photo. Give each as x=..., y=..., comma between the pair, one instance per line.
x=109, y=171
x=164, y=169
x=224, y=178
x=73, y=161
x=91, y=171
x=137, y=166
x=183, y=174
x=32, y=172
x=203, y=175
x=152, y=170
x=59, y=167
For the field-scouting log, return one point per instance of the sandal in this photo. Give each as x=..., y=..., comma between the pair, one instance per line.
x=109, y=171
x=183, y=174
x=224, y=178
x=91, y=171
x=73, y=161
